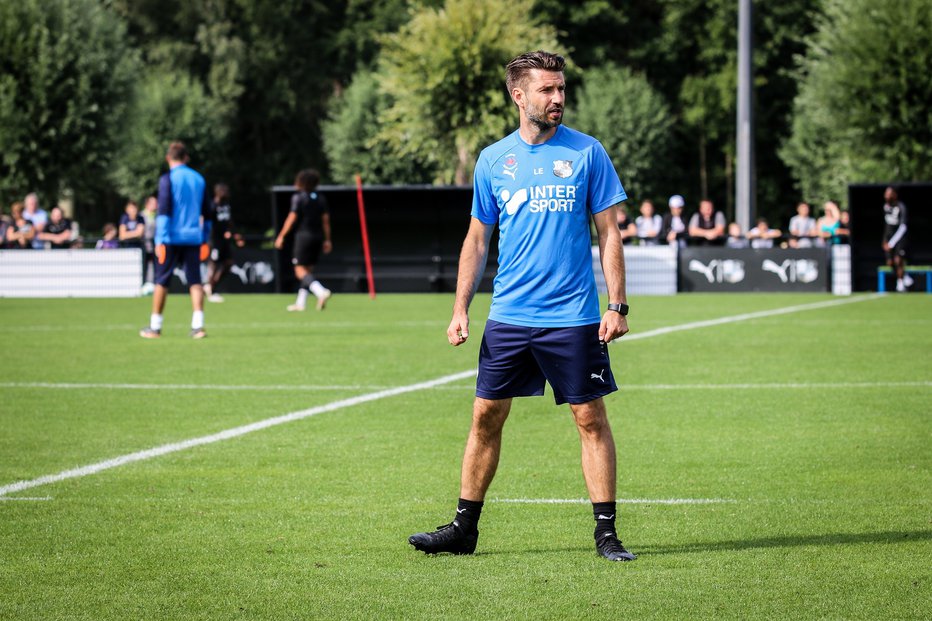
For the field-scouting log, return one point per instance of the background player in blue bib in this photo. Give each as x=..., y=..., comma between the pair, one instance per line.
x=540, y=185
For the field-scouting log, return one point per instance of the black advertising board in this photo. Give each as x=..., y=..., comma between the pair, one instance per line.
x=748, y=269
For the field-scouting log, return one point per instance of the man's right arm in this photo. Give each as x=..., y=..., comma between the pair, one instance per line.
x=473, y=258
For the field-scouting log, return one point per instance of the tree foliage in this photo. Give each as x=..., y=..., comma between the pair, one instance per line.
x=444, y=72
x=66, y=69
x=633, y=123
x=862, y=113
x=168, y=105
x=351, y=143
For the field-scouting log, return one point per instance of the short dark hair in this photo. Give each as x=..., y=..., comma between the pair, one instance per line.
x=307, y=179
x=177, y=152
x=518, y=69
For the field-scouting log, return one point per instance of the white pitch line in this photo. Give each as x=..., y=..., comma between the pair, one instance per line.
x=344, y=403
x=235, y=432
x=339, y=387
x=744, y=317
x=779, y=386
x=24, y=498
x=221, y=387
x=621, y=501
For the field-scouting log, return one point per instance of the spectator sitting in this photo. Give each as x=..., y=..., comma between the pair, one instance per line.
x=735, y=238
x=132, y=227
x=648, y=225
x=803, y=231
x=20, y=234
x=707, y=227
x=625, y=225
x=35, y=216
x=149, y=214
x=109, y=239
x=673, y=227
x=762, y=236
x=57, y=233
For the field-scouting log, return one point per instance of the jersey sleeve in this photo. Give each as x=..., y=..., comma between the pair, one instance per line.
x=605, y=188
x=324, y=206
x=296, y=203
x=484, y=205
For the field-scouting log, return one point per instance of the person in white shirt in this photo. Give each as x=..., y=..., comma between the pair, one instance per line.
x=803, y=230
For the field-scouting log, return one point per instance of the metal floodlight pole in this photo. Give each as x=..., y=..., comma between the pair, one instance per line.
x=745, y=181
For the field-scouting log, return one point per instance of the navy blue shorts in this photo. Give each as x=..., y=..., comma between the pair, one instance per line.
x=514, y=361
x=187, y=256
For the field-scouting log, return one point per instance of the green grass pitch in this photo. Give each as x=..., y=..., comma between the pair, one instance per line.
x=806, y=434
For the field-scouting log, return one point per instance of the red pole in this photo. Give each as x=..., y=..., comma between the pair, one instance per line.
x=365, y=237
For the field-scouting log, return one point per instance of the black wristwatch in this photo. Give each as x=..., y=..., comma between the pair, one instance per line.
x=621, y=309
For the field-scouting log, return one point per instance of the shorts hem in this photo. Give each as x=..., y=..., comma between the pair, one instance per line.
x=592, y=396
x=492, y=396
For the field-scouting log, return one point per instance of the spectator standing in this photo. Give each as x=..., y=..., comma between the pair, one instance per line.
x=132, y=226
x=648, y=224
x=57, y=231
x=673, y=229
x=844, y=231
x=762, y=236
x=894, y=237
x=182, y=229
x=707, y=226
x=310, y=216
x=626, y=226
x=149, y=213
x=222, y=239
x=803, y=229
x=36, y=216
x=6, y=223
x=20, y=234
x=830, y=224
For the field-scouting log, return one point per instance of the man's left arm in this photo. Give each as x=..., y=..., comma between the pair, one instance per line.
x=614, y=325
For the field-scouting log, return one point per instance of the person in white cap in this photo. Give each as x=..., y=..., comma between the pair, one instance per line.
x=674, y=227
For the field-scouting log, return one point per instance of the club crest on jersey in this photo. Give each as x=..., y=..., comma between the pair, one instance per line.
x=510, y=166
x=563, y=168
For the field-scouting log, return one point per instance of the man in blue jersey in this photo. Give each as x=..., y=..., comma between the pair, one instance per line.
x=182, y=228
x=540, y=185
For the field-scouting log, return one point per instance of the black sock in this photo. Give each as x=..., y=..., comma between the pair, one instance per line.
x=306, y=282
x=604, y=514
x=467, y=515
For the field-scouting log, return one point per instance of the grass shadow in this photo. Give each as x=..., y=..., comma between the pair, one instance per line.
x=791, y=541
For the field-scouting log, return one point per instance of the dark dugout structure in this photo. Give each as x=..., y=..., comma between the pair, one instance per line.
x=415, y=236
x=865, y=206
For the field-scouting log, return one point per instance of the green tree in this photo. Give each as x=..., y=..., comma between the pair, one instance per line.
x=862, y=113
x=444, y=71
x=65, y=70
x=633, y=123
x=350, y=138
x=169, y=105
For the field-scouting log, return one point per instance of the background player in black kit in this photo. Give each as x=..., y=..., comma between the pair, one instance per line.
x=222, y=239
x=310, y=214
x=894, y=236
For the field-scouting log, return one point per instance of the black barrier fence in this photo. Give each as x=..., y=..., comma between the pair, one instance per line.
x=254, y=270
x=747, y=269
x=415, y=236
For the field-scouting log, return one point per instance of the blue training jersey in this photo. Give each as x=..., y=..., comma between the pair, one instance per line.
x=542, y=196
x=183, y=201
